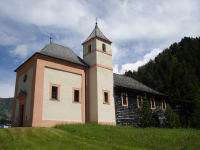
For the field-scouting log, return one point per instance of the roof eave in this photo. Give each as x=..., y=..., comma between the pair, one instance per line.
x=142, y=90
x=86, y=65
x=24, y=62
x=96, y=37
x=63, y=59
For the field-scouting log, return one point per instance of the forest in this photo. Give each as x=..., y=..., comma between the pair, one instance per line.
x=6, y=107
x=176, y=73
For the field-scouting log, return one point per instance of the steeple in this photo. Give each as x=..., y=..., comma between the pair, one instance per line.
x=97, y=33
x=98, y=55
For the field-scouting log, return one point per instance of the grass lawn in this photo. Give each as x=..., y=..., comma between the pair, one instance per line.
x=94, y=136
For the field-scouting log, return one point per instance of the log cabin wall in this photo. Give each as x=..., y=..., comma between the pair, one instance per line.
x=129, y=115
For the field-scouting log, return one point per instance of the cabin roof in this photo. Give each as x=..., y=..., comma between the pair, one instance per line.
x=128, y=82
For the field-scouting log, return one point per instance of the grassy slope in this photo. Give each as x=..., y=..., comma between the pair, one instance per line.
x=150, y=138
x=92, y=136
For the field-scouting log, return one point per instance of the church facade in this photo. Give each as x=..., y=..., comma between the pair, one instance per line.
x=55, y=86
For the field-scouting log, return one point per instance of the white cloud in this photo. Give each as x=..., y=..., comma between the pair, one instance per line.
x=153, y=19
x=7, y=90
x=120, y=20
x=116, y=53
x=115, y=68
x=20, y=50
x=7, y=83
x=81, y=55
x=44, y=13
x=134, y=66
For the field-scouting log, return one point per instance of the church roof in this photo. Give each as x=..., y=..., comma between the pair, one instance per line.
x=96, y=33
x=128, y=82
x=61, y=52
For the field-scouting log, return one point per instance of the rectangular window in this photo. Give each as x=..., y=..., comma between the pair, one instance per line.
x=139, y=101
x=54, y=92
x=124, y=98
x=106, y=97
x=76, y=95
x=153, y=104
x=163, y=105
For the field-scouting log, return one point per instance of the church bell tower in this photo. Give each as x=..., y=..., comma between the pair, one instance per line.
x=98, y=55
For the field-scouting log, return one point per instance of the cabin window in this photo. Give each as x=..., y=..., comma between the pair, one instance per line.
x=76, y=96
x=25, y=78
x=124, y=98
x=89, y=48
x=104, y=47
x=106, y=97
x=153, y=103
x=163, y=105
x=139, y=101
x=54, y=92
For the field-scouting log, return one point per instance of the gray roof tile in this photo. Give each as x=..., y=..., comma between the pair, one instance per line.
x=62, y=52
x=96, y=33
x=124, y=81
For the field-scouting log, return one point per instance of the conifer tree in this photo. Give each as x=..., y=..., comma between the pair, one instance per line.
x=146, y=119
x=171, y=119
x=183, y=92
x=196, y=114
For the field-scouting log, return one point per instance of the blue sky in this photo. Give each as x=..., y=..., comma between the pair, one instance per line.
x=139, y=29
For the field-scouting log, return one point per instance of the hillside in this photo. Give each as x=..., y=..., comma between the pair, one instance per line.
x=94, y=136
x=176, y=73
x=6, y=106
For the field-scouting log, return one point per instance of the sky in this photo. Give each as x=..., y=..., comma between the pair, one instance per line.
x=139, y=29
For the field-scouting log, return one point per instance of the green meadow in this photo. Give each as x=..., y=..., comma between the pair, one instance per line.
x=94, y=136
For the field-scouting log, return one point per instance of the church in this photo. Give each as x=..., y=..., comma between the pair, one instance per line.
x=55, y=86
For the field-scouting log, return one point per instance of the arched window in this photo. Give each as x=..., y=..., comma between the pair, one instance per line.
x=89, y=48
x=25, y=78
x=104, y=47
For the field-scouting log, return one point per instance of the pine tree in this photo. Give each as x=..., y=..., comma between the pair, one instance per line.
x=146, y=119
x=128, y=73
x=183, y=91
x=170, y=120
x=195, y=121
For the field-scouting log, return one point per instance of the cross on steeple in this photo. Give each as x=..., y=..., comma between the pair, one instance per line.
x=96, y=23
x=50, y=39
